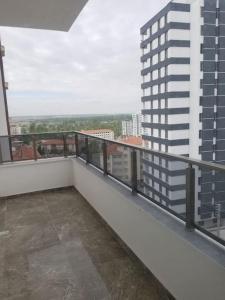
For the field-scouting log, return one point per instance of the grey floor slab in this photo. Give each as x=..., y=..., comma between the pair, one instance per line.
x=54, y=246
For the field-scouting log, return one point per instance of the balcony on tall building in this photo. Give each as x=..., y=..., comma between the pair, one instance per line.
x=84, y=217
x=78, y=219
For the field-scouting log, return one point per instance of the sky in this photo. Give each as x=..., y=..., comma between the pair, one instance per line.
x=92, y=69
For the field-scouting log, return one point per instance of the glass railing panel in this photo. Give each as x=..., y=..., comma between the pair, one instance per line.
x=82, y=149
x=49, y=145
x=210, y=201
x=70, y=144
x=163, y=181
x=119, y=162
x=95, y=149
x=22, y=148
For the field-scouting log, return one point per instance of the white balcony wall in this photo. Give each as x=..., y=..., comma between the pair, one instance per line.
x=178, y=16
x=179, y=34
x=26, y=177
x=179, y=69
x=178, y=103
x=178, y=52
x=178, y=119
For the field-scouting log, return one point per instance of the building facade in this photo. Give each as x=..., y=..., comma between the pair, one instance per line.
x=102, y=133
x=127, y=128
x=183, y=53
x=15, y=129
x=132, y=127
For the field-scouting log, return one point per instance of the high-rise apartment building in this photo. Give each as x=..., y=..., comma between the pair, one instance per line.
x=102, y=133
x=132, y=127
x=136, y=124
x=184, y=98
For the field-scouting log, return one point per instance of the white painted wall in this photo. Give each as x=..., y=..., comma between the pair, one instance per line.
x=178, y=34
x=178, y=69
x=178, y=52
x=25, y=177
x=179, y=16
x=178, y=134
x=178, y=119
x=176, y=102
x=185, y=271
x=179, y=150
x=178, y=86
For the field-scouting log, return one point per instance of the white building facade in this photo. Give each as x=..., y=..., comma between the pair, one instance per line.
x=127, y=128
x=184, y=99
x=132, y=127
x=101, y=133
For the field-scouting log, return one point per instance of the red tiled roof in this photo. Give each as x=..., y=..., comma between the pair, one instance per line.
x=94, y=131
x=24, y=152
x=133, y=140
x=113, y=149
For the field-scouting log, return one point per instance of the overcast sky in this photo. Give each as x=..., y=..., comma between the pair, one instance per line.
x=93, y=68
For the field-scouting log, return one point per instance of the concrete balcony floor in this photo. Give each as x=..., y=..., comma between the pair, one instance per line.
x=53, y=245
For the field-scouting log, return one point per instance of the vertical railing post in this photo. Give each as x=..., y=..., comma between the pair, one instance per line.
x=10, y=148
x=65, y=152
x=104, y=152
x=218, y=218
x=34, y=147
x=190, y=198
x=76, y=145
x=134, y=171
x=87, y=150
x=1, y=158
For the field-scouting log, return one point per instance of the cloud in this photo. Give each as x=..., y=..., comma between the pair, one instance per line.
x=94, y=68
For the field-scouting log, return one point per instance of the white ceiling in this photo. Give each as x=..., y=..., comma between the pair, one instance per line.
x=41, y=14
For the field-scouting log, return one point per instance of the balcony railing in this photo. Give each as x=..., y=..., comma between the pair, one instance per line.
x=190, y=189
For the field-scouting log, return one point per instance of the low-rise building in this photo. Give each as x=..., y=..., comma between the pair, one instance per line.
x=15, y=129
x=132, y=127
x=102, y=133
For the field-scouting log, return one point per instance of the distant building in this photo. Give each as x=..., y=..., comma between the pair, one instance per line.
x=22, y=151
x=127, y=128
x=132, y=127
x=119, y=160
x=136, y=125
x=15, y=129
x=102, y=133
x=54, y=146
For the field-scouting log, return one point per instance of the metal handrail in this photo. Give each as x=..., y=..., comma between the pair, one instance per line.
x=174, y=157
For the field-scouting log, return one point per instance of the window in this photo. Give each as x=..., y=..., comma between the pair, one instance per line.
x=162, y=22
x=155, y=27
x=162, y=56
x=154, y=44
x=162, y=39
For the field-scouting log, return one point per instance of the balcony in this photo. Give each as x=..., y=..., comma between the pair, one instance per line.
x=56, y=243
x=57, y=247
